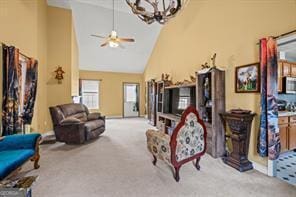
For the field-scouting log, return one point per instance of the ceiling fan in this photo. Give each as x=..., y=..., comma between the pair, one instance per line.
x=112, y=39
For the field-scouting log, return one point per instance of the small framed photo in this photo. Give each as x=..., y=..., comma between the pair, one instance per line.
x=247, y=78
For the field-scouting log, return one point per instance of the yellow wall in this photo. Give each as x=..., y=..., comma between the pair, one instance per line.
x=59, y=43
x=41, y=104
x=23, y=25
x=229, y=28
x=74, y=64
x=111, y=90
x=45, y=33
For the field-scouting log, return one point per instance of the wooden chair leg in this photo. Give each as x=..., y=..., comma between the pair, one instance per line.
x=197, y=163
x=154, y=160
x=177, y=177
x=37, y=155
x=36, y=160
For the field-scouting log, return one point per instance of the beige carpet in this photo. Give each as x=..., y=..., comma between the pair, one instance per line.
x=118, y=164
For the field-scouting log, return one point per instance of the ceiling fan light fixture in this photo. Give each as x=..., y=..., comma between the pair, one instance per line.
x=113, y=34
x=161, y=11
x=113, y=44
x=112, y=39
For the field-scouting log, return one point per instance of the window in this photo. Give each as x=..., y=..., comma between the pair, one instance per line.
x=184, y=102
x=131, y=93
x=184, y=98
x=90, y=93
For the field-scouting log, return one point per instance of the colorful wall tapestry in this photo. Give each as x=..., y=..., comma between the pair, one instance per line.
x=10, y=102
x=268, y=139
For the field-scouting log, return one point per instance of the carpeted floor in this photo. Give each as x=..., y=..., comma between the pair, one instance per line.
x=118, y=164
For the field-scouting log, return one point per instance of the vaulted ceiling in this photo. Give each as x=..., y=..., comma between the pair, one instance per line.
x=95, y=17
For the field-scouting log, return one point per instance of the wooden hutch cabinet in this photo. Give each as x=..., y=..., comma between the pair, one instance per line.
x=162, y=105
x=151, y=98
x=210, y=90
x=285, y=69
x=160, y=96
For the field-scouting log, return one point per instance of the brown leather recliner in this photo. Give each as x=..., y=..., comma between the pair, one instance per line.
x=73, y=124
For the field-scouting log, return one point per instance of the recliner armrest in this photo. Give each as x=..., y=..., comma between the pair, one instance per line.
x=95, y=116
x=70, y=121
x=70, y=133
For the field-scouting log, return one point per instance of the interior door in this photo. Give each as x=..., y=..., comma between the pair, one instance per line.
x=131, y=100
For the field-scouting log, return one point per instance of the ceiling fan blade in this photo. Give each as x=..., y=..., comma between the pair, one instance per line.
x=98, y=36
x=104, y=44
x=126, y=39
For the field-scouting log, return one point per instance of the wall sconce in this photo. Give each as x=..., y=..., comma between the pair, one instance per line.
x=59, y=74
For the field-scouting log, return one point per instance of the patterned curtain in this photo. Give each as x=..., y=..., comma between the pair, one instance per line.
x=10, y=104
x=268, y=139
x=30, y=90
x=19, y=90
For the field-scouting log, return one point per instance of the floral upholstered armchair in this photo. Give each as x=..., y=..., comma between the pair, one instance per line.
x=187, y=143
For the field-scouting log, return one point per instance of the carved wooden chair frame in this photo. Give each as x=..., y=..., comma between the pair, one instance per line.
x=173, y=144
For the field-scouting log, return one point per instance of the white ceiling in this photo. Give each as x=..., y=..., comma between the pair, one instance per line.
x=120, y=5
x=95, y=17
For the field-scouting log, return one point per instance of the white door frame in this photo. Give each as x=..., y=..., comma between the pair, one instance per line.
x=138, y=97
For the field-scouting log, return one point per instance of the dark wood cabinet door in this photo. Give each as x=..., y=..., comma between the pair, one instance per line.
x=286, y=69
x=292, y=136
x=284, y=137
x=293, y=70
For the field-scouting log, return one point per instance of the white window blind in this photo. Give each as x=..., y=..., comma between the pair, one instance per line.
x=90, y=93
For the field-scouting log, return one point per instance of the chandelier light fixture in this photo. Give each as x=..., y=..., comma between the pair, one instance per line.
x=156, y=10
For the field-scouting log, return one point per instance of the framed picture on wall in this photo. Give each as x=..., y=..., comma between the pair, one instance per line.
x=247, y=78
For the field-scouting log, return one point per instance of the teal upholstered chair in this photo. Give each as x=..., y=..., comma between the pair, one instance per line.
x=15, y=150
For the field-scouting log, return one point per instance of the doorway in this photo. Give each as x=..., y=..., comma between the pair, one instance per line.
x=131, y=100
x=285, y=165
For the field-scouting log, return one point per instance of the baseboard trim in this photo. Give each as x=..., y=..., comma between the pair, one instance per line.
x=48, y=133
x=113, y=117
x=271, y=168
x=48, y=138
x=259, y=167
x=120, y=117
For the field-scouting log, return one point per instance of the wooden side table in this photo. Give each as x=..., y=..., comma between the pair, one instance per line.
x=240, y=127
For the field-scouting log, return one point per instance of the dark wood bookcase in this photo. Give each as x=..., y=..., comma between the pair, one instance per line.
x=210, y=101
x=151, y=105
x=166, y=119
x=160, y=96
